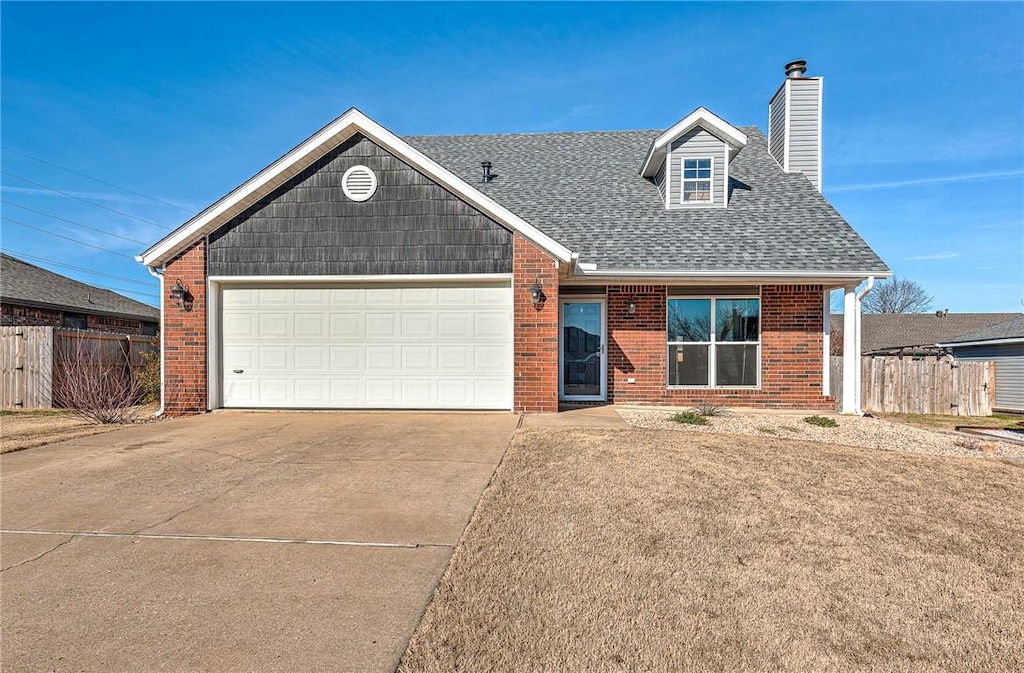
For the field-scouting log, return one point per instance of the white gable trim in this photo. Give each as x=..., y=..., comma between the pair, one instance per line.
x=702, y=117
x=316, y=146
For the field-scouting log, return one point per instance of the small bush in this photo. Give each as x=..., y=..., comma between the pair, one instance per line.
x=767, y=431
x=690, y=418
x=968, y=443
x=708, y=409
x=821, y=421
x=148, y=376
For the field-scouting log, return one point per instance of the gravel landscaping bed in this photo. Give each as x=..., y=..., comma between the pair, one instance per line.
x=874, y=433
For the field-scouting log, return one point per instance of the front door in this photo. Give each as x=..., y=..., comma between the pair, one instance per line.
x=582, y=371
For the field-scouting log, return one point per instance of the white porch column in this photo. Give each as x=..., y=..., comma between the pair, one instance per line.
x=851, y=358
x=826, y=343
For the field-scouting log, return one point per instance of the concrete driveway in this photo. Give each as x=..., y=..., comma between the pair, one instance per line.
x=237, y=541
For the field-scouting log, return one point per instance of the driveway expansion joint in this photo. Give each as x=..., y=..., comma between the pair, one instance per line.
x=217, y=538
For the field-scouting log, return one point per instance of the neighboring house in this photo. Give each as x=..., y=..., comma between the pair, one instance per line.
x=914, y=334
x=1002, y=343
x=363, y=269
x=30, y=295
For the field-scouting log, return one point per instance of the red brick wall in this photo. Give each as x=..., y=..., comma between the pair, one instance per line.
x=185, y=336
x=29, y=315
x=536, y=329
x=791, y=351
x=119, y=325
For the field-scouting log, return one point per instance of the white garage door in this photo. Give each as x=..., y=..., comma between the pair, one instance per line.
x=444, y=347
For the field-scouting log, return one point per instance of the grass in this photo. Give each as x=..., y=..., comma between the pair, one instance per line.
x=821, y=421
x=623, y=550
x=29, y=428
x=690, y=418
x=941, y=422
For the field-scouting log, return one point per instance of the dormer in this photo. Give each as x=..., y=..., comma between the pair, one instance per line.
x=690, y=161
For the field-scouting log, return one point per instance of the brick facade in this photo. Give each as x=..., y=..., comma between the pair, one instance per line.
x=536, y=329
x=14, y=314
x=791, y=351
x=185, y=336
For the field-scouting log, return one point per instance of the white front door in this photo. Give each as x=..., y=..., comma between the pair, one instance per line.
x=371, y=346
x=582, y=370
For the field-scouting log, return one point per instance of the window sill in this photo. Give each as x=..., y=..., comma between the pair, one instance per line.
x=713, y=388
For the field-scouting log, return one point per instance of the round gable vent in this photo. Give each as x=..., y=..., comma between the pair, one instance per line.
x=359, y=183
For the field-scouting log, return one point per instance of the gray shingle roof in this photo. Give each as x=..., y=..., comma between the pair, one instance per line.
x=891, y=331
x=585, y=191
x=21, y=282
x=1009, y=329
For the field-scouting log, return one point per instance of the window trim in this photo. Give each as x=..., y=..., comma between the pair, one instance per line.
x=712, y=355
x=683, y=180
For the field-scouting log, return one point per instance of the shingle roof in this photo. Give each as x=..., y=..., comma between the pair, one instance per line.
x=891, y=331
x=1009, y=329
x=21, y=282
x=585, y=190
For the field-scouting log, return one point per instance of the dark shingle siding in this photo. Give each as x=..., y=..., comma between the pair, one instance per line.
x=411, y=225
x=585, y=191
x=26, y=284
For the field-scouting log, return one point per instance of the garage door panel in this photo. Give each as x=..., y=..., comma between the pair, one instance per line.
x=346, y=358
x=310, y=358
x=380, y=325
x=274, y=325
x=371, y=347
x=310, y=326
x=345, y=326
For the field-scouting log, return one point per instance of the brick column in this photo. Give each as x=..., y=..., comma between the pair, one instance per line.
x=536, y=329
x=184, y=357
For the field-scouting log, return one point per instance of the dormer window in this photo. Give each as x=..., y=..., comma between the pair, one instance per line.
x=697, y=180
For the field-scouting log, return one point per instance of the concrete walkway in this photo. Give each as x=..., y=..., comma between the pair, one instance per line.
x=584, y=417
x=237, y=541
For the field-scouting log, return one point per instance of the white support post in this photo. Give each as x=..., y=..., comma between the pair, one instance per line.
x=851, y=358
x=826, y=343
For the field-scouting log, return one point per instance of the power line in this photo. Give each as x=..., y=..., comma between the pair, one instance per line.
x=73, y=240
x=77, y=224
x=89, y=177
x=79, y=198
x=79, y=268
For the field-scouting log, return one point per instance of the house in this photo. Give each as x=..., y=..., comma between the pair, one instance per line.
x=1002, y=343
x=30, y=295
x=913, y=334
x=363, y=269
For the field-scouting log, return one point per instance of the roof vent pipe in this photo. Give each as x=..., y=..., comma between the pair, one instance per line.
x=796, y=68
x=486, y=165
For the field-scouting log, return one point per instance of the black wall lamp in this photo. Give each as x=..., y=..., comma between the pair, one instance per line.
x=537, y=296
x=181, y=297
x=631, y=307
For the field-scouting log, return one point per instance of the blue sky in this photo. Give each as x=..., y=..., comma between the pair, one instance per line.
x=923, y=108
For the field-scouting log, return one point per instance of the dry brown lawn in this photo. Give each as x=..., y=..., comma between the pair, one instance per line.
x=37, y=427
x=633, y=550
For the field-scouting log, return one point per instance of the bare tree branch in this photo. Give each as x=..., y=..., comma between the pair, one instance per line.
x=897, y=295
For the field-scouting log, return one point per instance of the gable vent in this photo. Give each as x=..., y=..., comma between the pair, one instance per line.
x=359, y=183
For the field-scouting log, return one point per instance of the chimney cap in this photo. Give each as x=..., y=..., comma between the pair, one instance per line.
x=796, y=68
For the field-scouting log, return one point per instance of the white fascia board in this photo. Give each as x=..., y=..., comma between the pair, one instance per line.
x=987, y=342
x=312, y=149
x=702, y=117
x=703, y=276
x=391, y=278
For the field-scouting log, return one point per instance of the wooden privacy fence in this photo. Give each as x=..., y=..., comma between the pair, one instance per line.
x=35, y=360
x=930, y=385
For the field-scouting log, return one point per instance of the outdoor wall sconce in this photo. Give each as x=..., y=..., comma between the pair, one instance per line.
x=631, y=307
x=181, y=297
x=537, y=296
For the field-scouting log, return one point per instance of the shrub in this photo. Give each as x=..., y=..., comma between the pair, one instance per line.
x=148, y=376
x=767, y=431
x=708, y=409
x=690, y=418
x=94, y=381
x=821, y=421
